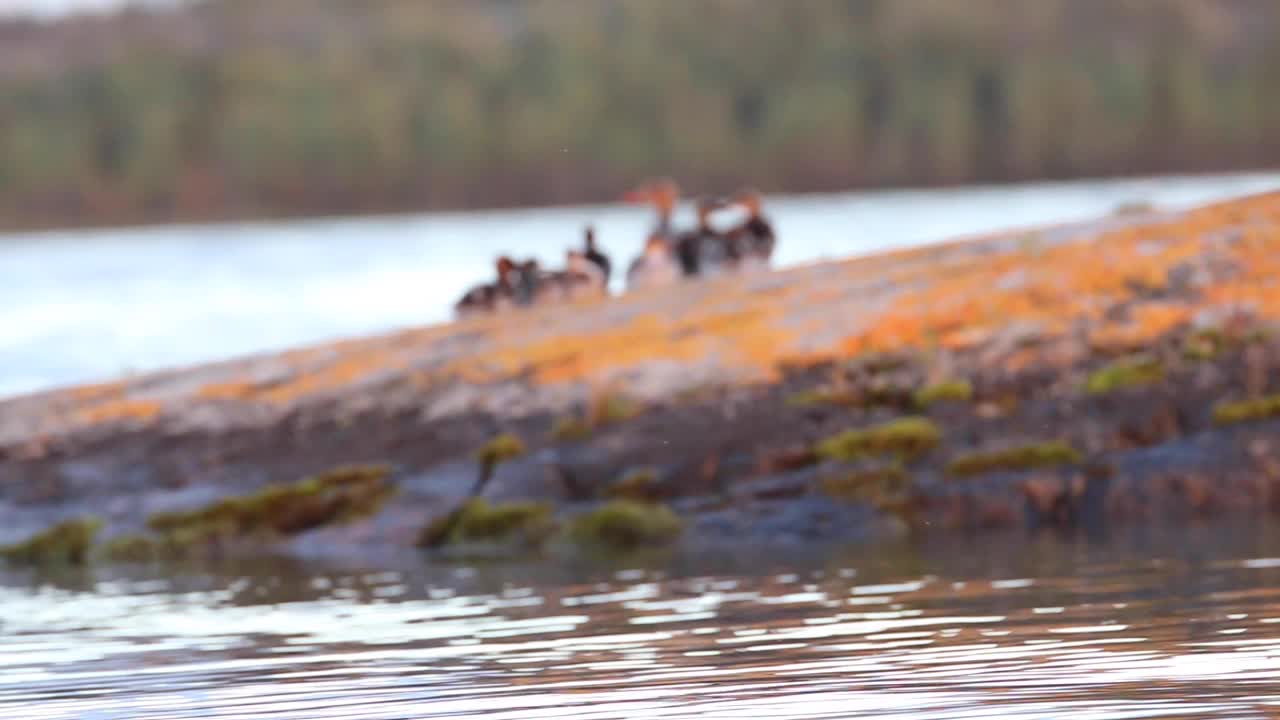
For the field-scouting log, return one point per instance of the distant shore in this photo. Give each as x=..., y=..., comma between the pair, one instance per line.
x=1113, y=372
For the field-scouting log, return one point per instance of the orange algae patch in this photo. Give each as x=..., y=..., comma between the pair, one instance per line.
x=141, y=410
x=227, y=391
x=99, y=391
x=746, y=338
x=1148, y=322
x=960, y=302
x=344, y=372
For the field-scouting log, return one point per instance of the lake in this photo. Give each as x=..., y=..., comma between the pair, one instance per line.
x=83, y=306
x=1150, y=625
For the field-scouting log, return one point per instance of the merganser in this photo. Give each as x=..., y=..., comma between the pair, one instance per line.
x=663, y=195
x=580, y=279
x=703, y=251
x=493, y=296
x=754, y=240
x=656, y=267
x=593, y=254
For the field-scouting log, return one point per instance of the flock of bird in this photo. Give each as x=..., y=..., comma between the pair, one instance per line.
x=669, y=256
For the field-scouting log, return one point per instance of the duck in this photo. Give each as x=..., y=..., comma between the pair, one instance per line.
x=592, y=253
x=580, y=279
x=704, y=251
x=656, y=267
x=490, y=297
x=663, y=195
x=754, y=240
x=526, y=280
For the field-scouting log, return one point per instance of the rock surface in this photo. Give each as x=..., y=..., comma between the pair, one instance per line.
x=723, y=389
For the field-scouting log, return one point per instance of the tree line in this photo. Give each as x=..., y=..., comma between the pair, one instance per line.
x=240, y=108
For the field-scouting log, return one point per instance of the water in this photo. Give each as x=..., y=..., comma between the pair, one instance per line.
x=1181, y=627
x=84, y=306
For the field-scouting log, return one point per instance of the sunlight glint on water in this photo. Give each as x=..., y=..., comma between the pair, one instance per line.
x=1124, y=639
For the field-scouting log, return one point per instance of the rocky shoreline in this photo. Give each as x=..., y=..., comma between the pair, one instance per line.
x=1077, y=378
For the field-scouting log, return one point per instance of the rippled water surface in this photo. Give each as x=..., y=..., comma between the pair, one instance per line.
x=1003, y=628
x=90, y=305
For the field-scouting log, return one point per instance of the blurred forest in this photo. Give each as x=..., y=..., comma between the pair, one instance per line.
x=245, y=108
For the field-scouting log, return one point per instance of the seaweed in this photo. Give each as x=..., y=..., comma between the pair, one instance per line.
x=498, y=450
x=527, y=523
x=947, y=391
x=602, y=410
x=908, y=438
x=874, y=485
x=1129, y=372
x=1229, y=413
x=571, y=429
x=66, y=543
x=336, y=496
x=640, y=485
x=137, y=548
x=626, y=525
x=1025, y=457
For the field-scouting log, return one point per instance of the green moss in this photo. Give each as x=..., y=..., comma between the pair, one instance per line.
x=1228, y=413
x=527, y=523
x=906, y=437
x=500, y=449
x=1129, y=372
x=867, y=485
x=570, y=429
x=613, y=408
x=66, y=543
x=137, y=548
x=626, y=525
x=1019, y=458
x=872, y=395
x=876, y=363
x=333, y=497
x=640, y=485
x=949, y=391
x=1203, y=345
x=807, y=398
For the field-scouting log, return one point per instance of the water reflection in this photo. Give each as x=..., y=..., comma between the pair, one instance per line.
x=1051, y=628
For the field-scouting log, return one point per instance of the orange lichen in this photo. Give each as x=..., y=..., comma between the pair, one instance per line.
x=956, y=295
x=138, y=410
x=227, y=391
x=99, y=391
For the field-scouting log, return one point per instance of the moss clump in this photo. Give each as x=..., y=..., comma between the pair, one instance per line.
x=626, y=525
x=611, y=408
x=1126, y=373
x=949, y=391
x=571, y=429
x=1228, y=413
x=907, y=438
x=867, y=485
x=66, y=543
x=1019, y=458
x=640, y=485
x=136, y=548
x=1204, y=345
x=810, y=398
x=336, y=496
x=603, y=410
x=877, y=363
x=876, y=394
x=477, y=520
x=500, y=449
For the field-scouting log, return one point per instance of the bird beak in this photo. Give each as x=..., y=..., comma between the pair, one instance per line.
x=636, y=197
